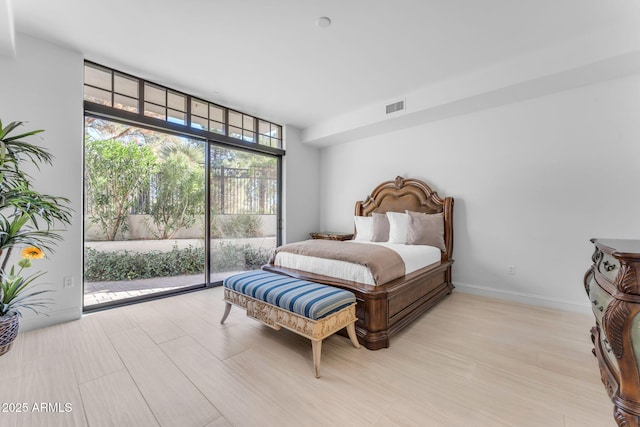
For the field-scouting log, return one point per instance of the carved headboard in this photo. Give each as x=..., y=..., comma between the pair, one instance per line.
x=413, y=195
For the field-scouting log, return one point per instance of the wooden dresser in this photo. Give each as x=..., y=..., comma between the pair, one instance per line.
x=613, y=286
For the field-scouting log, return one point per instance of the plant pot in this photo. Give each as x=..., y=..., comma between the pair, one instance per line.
x=8, y=331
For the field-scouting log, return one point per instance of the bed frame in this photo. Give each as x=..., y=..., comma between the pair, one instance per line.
x=385, y=310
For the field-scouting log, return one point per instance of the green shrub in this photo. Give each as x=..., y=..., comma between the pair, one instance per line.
x=237, y=226
x=128, y=265
x=231, y=257
x=255, y=258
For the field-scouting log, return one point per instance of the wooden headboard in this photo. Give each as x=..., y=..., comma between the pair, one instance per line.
x=404, y=194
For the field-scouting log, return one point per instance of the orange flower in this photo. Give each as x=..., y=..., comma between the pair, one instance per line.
x=32, y=253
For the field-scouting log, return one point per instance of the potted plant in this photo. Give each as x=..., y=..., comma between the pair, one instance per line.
x=27, y=218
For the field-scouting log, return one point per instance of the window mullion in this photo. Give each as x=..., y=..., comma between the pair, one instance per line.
x=119, y=103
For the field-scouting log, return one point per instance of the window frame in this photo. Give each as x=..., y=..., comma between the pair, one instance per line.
x=140, y=119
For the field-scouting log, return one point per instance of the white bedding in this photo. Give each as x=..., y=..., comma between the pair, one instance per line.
x=415, y=257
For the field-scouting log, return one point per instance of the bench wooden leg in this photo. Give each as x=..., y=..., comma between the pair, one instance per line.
x=227, y=310
x=316, y=346
x=351, y=330
x=276, y=317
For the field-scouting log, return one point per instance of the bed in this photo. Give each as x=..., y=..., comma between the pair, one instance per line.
x=385, y=308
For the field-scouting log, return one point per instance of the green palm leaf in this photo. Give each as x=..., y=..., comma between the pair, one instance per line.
x=27, y=218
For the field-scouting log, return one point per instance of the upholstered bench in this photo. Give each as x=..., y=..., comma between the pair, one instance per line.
x=310, y=309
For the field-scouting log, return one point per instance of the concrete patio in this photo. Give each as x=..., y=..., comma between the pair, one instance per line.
x=105, y=292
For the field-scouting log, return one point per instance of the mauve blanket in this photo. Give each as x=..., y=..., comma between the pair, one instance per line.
x=385, y=264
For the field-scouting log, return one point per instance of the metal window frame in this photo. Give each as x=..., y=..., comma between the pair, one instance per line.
x=142, y=118
x=139, y=119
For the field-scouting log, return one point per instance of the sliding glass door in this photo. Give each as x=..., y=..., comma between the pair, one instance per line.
x=243, y=210
x=149, y=200
x=180, y=192
x=144, y=212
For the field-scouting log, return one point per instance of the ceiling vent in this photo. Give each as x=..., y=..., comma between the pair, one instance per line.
x=395, y=107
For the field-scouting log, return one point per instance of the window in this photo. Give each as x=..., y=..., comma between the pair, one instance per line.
x=207, y=116
x=179, y=192
x=110, y=88
x=241, y=126
x=269, y=134
x=113, y=89
x=144, y=195
x=165, y=104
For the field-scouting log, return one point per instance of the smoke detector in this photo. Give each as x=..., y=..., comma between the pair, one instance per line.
x=323, y=22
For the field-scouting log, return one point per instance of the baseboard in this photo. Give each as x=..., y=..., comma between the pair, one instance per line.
x=52, y=318
x=524, y=298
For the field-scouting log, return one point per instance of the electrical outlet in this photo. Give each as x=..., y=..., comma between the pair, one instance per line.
x=511, y=270
x=67, y=282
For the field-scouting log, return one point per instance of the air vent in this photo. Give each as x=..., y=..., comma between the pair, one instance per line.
x=396, y=106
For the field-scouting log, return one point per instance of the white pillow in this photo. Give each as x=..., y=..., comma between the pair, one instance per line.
x=398, y=223
x=364, y=228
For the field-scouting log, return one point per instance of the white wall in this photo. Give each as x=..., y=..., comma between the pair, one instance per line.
x=42, y=85
x=604, y=54
x=301, y=171
x=7, y=29
x=532, y=181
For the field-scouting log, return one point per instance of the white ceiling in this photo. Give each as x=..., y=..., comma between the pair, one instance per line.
x=268, y=58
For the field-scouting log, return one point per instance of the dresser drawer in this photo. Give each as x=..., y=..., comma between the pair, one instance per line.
x=607, y=362
x=599, y=299
x=608, y=353
x=609, y=267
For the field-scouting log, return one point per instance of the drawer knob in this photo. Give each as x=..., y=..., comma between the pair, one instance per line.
x=601, y=308
x=608, y=266
x=594, y=302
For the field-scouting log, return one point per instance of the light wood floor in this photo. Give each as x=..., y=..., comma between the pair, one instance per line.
x=470, y=361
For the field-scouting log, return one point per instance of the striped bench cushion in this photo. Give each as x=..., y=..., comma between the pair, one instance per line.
x=308, y=299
